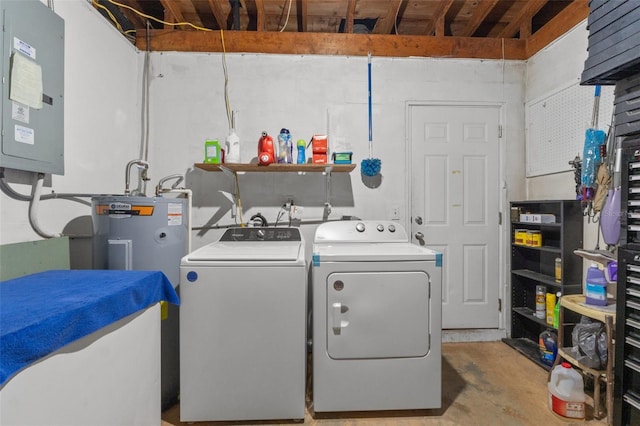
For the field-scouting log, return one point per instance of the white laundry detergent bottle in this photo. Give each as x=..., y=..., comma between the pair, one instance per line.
x=566, y=392
x=232, y=143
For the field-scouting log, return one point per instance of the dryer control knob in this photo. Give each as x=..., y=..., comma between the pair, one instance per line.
x=360, y=227
x=392, y=228
x=380, y=228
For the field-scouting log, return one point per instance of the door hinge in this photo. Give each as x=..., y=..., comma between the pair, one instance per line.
x=499, y=218
x=499, y=305
x=500, y=130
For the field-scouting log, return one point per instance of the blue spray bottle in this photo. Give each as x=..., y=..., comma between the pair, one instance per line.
x=302, y=146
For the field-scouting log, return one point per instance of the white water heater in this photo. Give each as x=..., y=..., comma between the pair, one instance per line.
x=146, y=233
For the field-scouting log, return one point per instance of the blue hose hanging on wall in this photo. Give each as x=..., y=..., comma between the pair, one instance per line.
x=370, y=166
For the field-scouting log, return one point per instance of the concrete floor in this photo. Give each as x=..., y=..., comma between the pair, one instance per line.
x=483, y=383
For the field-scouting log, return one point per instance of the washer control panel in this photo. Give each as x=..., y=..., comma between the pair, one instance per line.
x=361, y=231
x=261, y=234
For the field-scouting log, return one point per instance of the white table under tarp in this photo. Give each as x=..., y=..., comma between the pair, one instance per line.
x=82, y=347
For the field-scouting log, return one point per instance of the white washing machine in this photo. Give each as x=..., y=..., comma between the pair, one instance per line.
x=243, y=327
x=377, y=315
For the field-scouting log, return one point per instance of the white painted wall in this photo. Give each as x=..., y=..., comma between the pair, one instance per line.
x=308, y=95
x=555, y=67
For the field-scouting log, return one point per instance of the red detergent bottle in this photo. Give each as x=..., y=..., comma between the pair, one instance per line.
x=266, y=150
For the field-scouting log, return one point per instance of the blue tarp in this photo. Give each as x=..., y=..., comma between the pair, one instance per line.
x=41, y=313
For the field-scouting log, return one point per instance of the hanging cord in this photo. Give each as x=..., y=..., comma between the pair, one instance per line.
x=226, y=80
x=137, y=12
x=288, y=14
x=395, y=20
x=238, y=200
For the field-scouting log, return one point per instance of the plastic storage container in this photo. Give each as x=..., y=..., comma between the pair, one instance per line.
x=548, y=347
x=596, y=288
x=285, y=147
x=566, y=392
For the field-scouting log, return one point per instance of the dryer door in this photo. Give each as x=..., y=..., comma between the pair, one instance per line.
x=378, y=314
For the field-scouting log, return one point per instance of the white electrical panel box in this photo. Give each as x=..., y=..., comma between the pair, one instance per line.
x=32, y=64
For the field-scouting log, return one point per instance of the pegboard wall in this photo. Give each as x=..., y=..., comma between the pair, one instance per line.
x=556, y=126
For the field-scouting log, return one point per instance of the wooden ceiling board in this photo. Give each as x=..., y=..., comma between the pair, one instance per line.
x=449, y=22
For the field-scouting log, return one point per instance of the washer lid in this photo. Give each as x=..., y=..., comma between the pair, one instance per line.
x=372, y=252
x=231, y=251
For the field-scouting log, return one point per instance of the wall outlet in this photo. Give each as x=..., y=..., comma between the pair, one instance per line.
x=394, y=213
x=296, y=212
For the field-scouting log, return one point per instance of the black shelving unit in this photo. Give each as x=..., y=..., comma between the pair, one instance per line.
x=532, y=266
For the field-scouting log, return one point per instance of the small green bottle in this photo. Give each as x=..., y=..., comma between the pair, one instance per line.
x=212, y=153
x=556, y=311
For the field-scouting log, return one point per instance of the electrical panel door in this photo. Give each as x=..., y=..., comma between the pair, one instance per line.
x=32, y=64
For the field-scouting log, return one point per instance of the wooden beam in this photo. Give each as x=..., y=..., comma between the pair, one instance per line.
x=526, y=13
x=386, y=23
x=351, y=11
x=525, y=30
x=218, y=13
x=569, y=17
x=479, y=13
x=173, y=8
x=437, y=25
x=303, y=20
x=260, y=20
x=334, y=44
x=136, y=20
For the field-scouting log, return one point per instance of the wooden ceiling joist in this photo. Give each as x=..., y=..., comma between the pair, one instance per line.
x=298, y=43
x=172, y=13
x=523, y=19
x=351, y=9
x=218, y=13
x=429, y=28
x=304, y=20
x=386, y=24
x=260, y=15
x=436, y=26
x=480, y=12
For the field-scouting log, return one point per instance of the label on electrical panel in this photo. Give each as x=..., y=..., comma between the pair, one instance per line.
x=24, y=48
x=123, y=209
x=24, y=134
x=174, y=214
x=20, y=112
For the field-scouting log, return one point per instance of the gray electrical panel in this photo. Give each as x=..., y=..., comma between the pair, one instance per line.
x=32, y=65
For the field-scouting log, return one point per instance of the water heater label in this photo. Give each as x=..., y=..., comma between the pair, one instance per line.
x=174, y=214
x=123, y=209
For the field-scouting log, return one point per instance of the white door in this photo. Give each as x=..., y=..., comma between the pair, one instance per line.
x=455, y=195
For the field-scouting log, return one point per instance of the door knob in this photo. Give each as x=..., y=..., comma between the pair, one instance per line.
x=420, y=238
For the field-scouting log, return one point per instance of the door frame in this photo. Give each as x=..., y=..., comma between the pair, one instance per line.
x=504, y=240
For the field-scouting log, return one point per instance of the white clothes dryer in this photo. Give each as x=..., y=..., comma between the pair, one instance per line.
x=377, y=315
x=243, y=327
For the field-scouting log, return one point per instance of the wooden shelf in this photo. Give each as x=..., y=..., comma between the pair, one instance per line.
x=279, y=168
x=577, y=303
